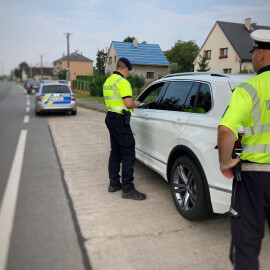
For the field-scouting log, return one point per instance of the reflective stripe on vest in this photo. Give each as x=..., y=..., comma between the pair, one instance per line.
x=258, y=128
x=256, y=112
x=115, y=96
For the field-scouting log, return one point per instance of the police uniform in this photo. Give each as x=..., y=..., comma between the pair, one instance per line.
x=250, y=206
x=115, y=90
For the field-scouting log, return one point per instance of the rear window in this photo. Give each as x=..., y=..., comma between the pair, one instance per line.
x=49, y=89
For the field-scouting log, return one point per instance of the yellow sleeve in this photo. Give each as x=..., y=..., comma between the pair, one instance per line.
x=124, y=88
x=239, y=111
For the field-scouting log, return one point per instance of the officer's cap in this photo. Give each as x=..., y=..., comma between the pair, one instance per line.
x=261, y=38
x=126, y=62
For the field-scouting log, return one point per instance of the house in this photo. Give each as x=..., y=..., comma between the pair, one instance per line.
x=38, y=73
x=147, y=60
x=227, y=47
x=78, y=65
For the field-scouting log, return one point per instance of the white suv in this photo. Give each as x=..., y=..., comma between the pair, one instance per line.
x=176, y=135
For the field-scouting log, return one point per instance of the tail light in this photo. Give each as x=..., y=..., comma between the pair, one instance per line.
x=39, y=98
x=73, y=97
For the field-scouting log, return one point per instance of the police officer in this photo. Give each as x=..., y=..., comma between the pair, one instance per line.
x=250, y=206
x=117, y=93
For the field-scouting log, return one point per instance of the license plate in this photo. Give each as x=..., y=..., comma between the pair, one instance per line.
x=57, y=99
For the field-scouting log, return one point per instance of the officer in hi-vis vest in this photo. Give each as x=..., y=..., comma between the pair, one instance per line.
x=250, y=206
x=117, y=94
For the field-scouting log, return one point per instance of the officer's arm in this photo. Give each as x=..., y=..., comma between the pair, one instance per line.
x=226, y=139
x=130, y=103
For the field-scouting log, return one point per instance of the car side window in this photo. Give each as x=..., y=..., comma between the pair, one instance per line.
x=150, y=96
x=204, y=103
x=175, y=96
x=190, y=101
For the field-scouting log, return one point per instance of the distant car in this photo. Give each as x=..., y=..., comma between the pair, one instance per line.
x=32, y=87
x=55, y=97
x=27, y=81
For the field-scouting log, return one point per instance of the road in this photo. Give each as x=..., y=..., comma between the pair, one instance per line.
x=43, y=233
x=66, y=219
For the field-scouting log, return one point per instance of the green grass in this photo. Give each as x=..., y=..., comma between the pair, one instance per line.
x=88, y=97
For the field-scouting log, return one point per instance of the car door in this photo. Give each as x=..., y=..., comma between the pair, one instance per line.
x=140, y=118
x=167, y=123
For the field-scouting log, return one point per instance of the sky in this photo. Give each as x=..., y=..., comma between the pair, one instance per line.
x=30, y=29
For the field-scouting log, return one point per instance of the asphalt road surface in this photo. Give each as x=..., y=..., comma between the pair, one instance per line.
x=38, y=227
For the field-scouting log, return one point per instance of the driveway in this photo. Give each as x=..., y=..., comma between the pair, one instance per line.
x=125, y=234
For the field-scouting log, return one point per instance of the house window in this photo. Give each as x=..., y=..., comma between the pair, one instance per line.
x=110, y=60
x=227, y=70
x=223, y=53
x=115, y=59
x=149, y=75
x=207, y=54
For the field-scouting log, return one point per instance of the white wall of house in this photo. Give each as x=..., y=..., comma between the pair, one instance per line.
x=214, y=42
x=111, y=61
x=155, y=71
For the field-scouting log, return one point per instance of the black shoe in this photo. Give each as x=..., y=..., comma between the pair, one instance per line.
x=134, y=195
x=115, y=188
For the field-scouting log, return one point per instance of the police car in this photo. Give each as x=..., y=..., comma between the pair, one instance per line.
x=176, y=135
x=55, y=97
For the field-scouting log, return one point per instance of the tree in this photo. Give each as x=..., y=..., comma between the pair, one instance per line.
x=183, y=54
x=18, y=71
x=128, y=39
x=61, y=75
x=203, y=64
x=101, y=60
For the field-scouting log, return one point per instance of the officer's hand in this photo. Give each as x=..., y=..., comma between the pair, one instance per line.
x=226, y=168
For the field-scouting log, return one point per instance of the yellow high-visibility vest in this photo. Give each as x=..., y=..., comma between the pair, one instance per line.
x=114, y=89
x=250, y=107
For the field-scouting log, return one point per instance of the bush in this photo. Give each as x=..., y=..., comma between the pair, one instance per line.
x=92, y=84
x=136, y=81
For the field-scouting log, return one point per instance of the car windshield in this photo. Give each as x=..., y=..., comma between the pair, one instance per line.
x=49, y=89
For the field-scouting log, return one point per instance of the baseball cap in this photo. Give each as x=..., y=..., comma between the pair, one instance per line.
x=126, y=62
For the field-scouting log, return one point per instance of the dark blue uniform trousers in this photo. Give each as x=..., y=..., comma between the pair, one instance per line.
x=122, y=151
x=249, y=211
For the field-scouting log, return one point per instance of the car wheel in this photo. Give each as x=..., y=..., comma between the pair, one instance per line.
x=37, y=113
x=188, y=189
x=74, y=112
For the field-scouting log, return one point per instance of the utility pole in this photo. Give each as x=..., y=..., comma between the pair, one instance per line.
x=68, y=71
x=41, y=67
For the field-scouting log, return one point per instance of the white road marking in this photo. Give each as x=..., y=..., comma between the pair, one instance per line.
x=26, y=119
x=8, y=207
x=27, y=109
x=28, y=103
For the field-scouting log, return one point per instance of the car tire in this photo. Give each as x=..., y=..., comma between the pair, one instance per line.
x=188, y=189
x=37, y=113
x=74, y=112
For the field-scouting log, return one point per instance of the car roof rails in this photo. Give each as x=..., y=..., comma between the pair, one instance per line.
x=217, y=74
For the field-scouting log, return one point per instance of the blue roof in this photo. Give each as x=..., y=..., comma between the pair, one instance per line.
x=143, y=54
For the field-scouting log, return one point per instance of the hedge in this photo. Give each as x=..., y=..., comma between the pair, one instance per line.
x=92, y=84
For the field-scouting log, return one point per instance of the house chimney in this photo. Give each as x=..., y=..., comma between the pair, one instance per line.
x=144, y=42
x=247, y=23
x=135, y=43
